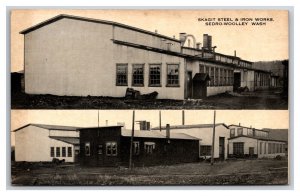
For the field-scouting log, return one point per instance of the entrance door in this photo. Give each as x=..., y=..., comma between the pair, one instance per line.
x=222, y=148
x=237, y=81
x=251, y=151
x=189, y=84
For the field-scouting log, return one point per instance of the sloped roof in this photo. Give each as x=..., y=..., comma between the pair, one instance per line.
x=256, y=138
x=61, y=16
x=278, y=134
x=201, y=77
x=50, y=127
x=191, y=126
x=156, y=134
x=69, y=140
x=248, y=128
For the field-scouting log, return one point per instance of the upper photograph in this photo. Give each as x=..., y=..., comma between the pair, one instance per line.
x=149, y=59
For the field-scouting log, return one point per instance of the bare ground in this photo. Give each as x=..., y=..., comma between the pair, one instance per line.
x=232, y=172
x=252, y=100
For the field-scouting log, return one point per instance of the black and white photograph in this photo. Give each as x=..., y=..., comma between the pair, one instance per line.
x=167, y=59
x=149, y=147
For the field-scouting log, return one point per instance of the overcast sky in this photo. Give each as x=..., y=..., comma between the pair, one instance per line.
x=254, y=43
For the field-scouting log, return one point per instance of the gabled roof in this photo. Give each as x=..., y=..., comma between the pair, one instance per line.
x=156, y=134
x=191, y=126
x=50, y=127
x=69, y=140
x=61, y=16
x=278, y=134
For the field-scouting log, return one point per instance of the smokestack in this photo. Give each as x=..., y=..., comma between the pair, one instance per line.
x=207, y=41
x=156, y=31
x=168, y=131
x=235, y=53
x=198, y=45
x=106, y=122
x=182, y=38
x=239, y=124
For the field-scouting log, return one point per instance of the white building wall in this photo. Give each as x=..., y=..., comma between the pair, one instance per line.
x=206, y=134
x=64, y=133
x=130, y=56
x=248, y=142
x=33, y=145
x=69, y=57
x=56, y=143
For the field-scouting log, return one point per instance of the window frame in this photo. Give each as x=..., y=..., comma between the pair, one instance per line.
x=136, y=148
x=132, y=74
x=167, y=78
x=122, y=84
x=57, y=153
x=207, y=149
x=87, y=144
x=238, y=148
x=160, y=74
x=69, y=151
x=52, y=151
x=151, y=148
x=108, y=146
x=63, y=152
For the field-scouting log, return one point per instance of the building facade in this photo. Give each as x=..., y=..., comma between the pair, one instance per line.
x=43, y=143
x=66, y=54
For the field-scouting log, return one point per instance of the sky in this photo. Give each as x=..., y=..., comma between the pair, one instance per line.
x=89, y=118
x=253, y=43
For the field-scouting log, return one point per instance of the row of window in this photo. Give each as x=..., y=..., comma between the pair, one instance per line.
x=261, y=79
x=154, y=75
x=61, y=151
x=250, y=132
x=218, y=76
x=273, y=148
x=111, y=148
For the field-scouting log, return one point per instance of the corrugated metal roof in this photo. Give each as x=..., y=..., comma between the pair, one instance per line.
x=69, y=140
x=50, y=127
x=191, y=126
x=278, y=134
x=156, y=134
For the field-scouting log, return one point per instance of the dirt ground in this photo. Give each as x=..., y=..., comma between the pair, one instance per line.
x=231, y=172
x=271, y=99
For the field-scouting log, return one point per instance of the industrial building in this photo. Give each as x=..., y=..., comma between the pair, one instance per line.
x=39, y=142
x=77, y=56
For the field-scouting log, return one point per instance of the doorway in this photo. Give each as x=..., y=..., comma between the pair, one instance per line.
x=222, y=148
x=189, y=84
x=237, y=81
x=200, y=85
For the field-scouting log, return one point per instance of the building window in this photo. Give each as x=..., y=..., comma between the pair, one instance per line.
x=122, y=73
x=173, y=75
x=63, y=151
x=240, y=131
x=136, y=148
x=69, y=151
x=87, y=149
x=57, y=151
x=232, y=132
x=111, y=148
x=154, y=75
x=149, y=147
x=138, y=75
x=205, y=150
x=52, y=151
x=265, y=149
x=212, y=76
x=217, y=77
x=201, y=68
x=250, y=132
x=238, y=148
x=100, y=149
x=260, y=147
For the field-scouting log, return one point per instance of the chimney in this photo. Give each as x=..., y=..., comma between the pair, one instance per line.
x=182, y=38
x=106, y=122
x=168, y=131
x=239, y=124
x=207, y=41
x=198, y=45
x=234, y=53
x=156, y=31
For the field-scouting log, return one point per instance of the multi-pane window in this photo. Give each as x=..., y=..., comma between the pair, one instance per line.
x=260, y=147
x=212, y=76
x=173, y=75
x=265, y=148
x=154, y=75
x=69, y=151
x=122, y=73
x=207, y=70
x=250, y=132
x=138, y=75
x=57, y=151
x=240, y=131
x=232, y=132
x=201, y=68
x=217, y=77
x=111, y=148
x=238, y=148
x=136, y=148
x=87, y=149
x=205, y=150
x=52, y=151
x=149, y=147
x=63, y=151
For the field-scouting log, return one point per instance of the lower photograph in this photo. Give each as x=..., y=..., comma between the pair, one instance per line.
x=149, y=147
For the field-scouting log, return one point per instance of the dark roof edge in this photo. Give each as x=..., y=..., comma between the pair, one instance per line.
x=61, y=140
x=248, y=127
x=58, y=17
x=188, y=126
x=41, y=126
x=256, y=138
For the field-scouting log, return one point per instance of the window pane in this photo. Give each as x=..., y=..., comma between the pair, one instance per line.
x=69, y=151
x=87, y=149
x=173, y=75
x=121, y=74
x=52, y=151
x=154, y=75
x=138, y=75
x=63, y=152
x=57, y=151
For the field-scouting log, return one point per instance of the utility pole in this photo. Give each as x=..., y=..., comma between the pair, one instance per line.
x=131, y=141
x=98, y=118
x=213, y=140
x=183, y=117
x=159, y=120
